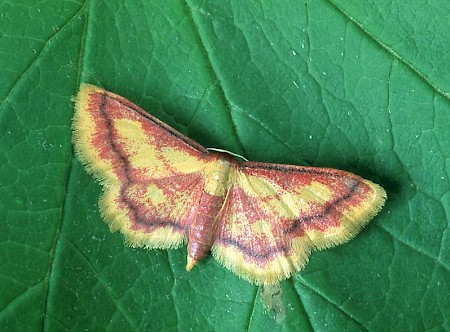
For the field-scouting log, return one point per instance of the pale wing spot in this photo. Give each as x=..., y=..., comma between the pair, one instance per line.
x=259, y=227
x=315, y=193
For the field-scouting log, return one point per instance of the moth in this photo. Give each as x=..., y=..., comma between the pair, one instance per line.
x=162, y=189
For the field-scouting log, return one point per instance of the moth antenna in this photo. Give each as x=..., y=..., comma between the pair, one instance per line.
x=229, y=152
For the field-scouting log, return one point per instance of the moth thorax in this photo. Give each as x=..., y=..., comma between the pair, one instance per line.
x=217, y=174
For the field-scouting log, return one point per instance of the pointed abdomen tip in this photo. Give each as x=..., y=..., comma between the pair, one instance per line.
x=190, y=263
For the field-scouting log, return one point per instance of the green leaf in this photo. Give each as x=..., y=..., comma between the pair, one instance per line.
x=360, y=86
